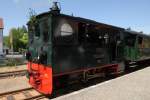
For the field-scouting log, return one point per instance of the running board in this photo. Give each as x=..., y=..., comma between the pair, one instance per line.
x=132, y=62
x=133, y=66
x=96, y=75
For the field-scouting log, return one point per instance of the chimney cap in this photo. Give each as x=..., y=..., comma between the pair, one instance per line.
x=1, y=23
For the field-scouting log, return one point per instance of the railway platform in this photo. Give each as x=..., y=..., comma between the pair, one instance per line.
x=133, y=86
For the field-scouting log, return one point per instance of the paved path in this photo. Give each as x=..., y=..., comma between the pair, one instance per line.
x=13, y=68
x=134, y=86
x=12, y=84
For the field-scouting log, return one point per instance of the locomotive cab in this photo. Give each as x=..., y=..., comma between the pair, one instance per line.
x=39, y=54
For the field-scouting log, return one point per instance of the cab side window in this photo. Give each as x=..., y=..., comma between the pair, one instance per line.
x=31, y=33
x=37, y=30
x=66, y=30
x=44, y=30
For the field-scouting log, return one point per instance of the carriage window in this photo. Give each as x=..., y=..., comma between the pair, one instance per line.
x=130, y=40
x=95, y=36
x=140, y=39
x=66, y=30
x=44, y=30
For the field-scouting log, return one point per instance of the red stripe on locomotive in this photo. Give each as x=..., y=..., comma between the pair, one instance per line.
x=40, y=77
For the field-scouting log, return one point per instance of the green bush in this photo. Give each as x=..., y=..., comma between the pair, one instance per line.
x=14, y=62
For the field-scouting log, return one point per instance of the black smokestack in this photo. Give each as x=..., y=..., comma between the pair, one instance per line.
x=55, y=8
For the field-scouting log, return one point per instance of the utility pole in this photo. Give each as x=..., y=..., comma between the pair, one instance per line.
x=11, y=41
x=12, y=47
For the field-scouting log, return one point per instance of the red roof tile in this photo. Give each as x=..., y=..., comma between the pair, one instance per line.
x=1, y=23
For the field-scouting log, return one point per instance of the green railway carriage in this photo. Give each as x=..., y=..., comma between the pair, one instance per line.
x=136, y=46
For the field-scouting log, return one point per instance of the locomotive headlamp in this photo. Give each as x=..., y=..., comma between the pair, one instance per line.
x=43, y=58
x=118, y=42
x=38, y=57
x=100, y=37
x=87, y=35
x=106, y=38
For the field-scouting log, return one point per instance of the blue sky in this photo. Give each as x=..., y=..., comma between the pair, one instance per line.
x=122, y=13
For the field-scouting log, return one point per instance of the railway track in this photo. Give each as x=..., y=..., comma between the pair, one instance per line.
x=12, y=74
x=31, y=94
x=23, y=94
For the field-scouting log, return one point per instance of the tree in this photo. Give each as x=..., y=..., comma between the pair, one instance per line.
x=18, y=38
x=24, y=40
x=6, y=41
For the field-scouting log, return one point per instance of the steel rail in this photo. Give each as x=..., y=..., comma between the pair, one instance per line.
x=14, y=92
x=21, y=91
x=13, y=73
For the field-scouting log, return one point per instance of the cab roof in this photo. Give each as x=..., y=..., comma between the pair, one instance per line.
x=80, y=19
